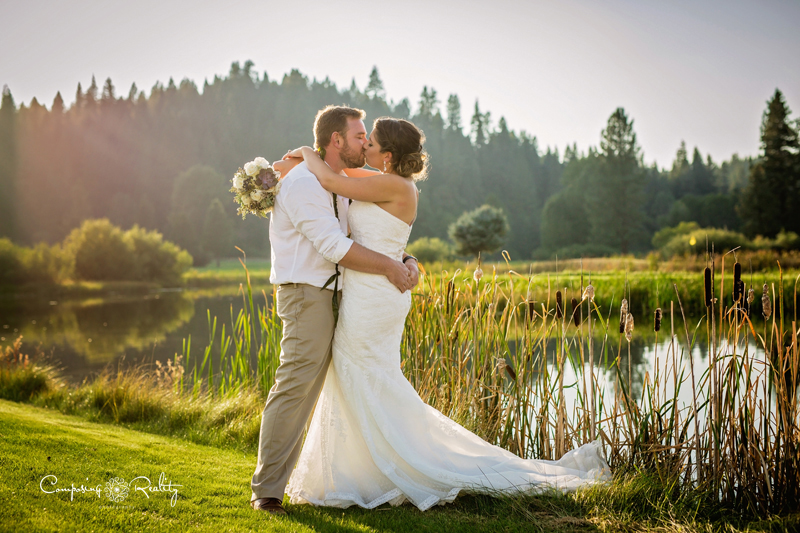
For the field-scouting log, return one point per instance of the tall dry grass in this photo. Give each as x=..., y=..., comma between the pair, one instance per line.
x=539, y=382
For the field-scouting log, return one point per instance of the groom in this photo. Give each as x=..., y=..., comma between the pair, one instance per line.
x=307, y=241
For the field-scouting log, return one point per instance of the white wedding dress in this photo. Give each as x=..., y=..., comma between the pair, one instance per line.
x=373, y=440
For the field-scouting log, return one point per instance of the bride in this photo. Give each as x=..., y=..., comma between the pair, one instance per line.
x=372, y=439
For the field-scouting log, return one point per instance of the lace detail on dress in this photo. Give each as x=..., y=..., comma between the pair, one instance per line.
x=372, y=439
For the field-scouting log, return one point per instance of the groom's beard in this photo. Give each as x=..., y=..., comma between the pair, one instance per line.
x=352, y=158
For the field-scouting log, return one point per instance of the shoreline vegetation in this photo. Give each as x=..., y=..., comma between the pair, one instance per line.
x=646, y=281
x=708, y=444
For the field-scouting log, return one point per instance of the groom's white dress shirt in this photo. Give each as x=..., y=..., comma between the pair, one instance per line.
x=304, y=234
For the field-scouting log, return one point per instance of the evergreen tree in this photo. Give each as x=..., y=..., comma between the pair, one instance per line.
x=58, y=104
x=403, y=109
x=133, y=93
x=769, y=204
x=374, y=87
x=614, y=200
x=428, y=103
x=679, y=174
x=453, y=113
x=702, y=179
x=478, y=126
x=91, y=92
x=108, y=90
x=80, y=98
x=8, y=165
x=217, y=232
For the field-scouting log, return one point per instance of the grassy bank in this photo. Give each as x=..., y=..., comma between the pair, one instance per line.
x=215, y=490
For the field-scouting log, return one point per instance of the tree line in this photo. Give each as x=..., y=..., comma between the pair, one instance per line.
x=163, y=162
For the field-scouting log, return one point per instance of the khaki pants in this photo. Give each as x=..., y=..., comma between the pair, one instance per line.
x=305, y=355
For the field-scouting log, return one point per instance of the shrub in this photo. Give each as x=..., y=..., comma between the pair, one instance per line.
x=47, y=264
x=664, y=235
x=577, y=251
x=100, y=252
x=430, y=250
x=10, y=263
x=783, y=241
x=695, y=242
x=480, y=230
x=103, y=252
x=156, y=259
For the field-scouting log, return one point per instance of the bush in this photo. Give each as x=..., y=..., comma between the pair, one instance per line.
x=577, y=251
x=103, y=252
x=480, y=230
x=664, y=235
x=100, y=252
x=695, y=242
x=430, y=250
x=47, y=264
x=155, y=258
x=783, y=241
x=10, y=263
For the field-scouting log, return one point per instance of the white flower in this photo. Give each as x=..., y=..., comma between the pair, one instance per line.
x=258, y=195
x=252, y=169
x=246, y=200
x=260, y=161
x=238, y=182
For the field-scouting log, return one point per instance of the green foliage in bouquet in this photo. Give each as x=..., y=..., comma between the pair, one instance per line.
x=255, y=187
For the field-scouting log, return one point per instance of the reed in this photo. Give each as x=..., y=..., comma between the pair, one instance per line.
x=501, y=357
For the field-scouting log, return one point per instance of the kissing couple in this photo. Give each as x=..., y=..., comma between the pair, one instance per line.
x=371, y=440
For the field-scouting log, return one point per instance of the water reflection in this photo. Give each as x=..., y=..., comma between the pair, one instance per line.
x=84, y=336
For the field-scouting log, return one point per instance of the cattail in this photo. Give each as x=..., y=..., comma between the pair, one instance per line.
x=629, y=327
x=751, y=295
x=745, y=301
x=449, y=298
x=575, y=318
x=478, y=274
x=623, y=312
x=657, y=326
x=531, y=310
x=559, y=305
x=588, y=293
x=737, y=282
x=707, y=275
x=766, y=304
x=502, y=365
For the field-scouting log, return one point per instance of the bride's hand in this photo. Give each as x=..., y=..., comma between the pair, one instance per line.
x=286, y=164
x=298, y=152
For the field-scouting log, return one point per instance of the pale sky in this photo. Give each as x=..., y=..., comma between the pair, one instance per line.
x=696, y=70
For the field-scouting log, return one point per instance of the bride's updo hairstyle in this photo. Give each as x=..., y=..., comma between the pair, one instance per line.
x=404, y=141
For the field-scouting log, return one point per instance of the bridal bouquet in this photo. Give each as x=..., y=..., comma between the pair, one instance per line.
x=255, y=187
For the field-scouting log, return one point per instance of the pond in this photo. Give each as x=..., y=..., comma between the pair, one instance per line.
x=84, y=336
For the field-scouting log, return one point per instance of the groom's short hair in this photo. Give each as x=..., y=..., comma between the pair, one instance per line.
x=333, y=118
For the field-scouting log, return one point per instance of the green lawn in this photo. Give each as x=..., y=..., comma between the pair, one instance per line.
x=214, y=490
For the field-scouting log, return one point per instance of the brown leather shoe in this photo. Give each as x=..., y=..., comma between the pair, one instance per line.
x=273, y=506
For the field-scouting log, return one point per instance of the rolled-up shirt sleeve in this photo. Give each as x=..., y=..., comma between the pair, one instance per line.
x=308, y=207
